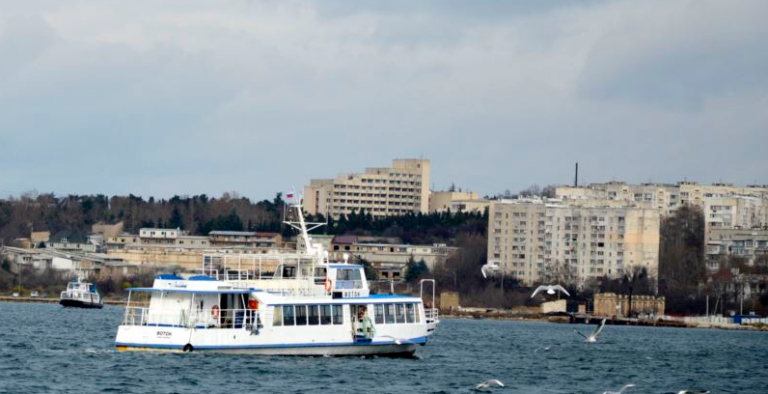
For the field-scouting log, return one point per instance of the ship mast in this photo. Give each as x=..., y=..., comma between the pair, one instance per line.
x=302, y=227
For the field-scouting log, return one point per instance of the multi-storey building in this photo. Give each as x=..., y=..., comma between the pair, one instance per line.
x=531, y=239
x=389, y=191
x=724, y=205
x=746, y=243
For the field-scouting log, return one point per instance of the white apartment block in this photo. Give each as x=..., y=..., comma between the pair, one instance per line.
x=724, y=205
x=389, y=191
x=528, y=237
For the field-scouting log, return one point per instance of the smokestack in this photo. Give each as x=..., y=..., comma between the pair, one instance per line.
x=576, y=178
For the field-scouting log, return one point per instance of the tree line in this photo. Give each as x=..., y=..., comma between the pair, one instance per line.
x=201, y=214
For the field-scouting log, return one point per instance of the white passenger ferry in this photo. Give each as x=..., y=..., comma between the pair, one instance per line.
x=284, y=304
x=80, y=295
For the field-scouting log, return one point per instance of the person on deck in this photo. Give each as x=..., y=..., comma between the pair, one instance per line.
x=365, y=325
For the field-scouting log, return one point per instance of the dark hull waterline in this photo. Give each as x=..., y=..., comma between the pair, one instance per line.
x=80, y=304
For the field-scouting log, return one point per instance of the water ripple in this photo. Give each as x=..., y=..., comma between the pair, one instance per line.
x=45, y=348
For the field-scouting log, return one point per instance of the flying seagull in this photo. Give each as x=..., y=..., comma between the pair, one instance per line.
x=492, y=266
x=550, y=290
x=693, y=392
x=592, y=338
x=623, y=389
x=485, y=386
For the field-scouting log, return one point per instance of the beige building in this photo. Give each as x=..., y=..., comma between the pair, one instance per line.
x=457, y=202
x=40, y=236
x=389, y=191
x=611, y=304
x=108, y=230
x=246, y=239
x=444, y=201
x=535, y=239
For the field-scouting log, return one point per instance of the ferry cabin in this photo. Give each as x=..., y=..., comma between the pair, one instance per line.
x=80, y=294
x=317, y=317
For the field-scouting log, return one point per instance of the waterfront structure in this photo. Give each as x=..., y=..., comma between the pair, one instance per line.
x=308, y=305
x=611, y=304
x=389, y=259
x=536, y=239
x=386, y=191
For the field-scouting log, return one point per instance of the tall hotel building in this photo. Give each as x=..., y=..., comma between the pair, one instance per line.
x=529, y=237
x=389, y=191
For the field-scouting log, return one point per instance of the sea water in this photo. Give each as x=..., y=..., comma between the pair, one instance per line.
x=45, y=348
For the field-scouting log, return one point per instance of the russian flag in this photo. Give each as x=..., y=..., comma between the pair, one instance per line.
x=289, y=195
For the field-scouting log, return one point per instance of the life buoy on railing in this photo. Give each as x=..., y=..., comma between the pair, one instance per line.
x=253, y=304
x=215, y=311
x=328, y=285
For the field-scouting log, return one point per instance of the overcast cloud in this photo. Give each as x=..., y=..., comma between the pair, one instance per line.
x=188, y=97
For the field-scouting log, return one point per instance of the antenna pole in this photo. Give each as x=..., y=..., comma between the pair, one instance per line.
x=576, y=177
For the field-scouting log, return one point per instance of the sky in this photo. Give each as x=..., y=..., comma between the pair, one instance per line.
x=184, y=97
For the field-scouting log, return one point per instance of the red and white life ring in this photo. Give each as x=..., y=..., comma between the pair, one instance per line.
x=328, y=285
x=253, y=304
x=215, y=311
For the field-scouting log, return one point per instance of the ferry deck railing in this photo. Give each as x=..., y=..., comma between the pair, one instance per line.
x=431, y=315
x=225, y=319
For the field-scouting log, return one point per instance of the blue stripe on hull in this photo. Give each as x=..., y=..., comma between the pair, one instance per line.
x=416, y=341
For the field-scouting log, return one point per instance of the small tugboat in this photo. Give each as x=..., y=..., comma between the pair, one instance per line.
x=80, y=295
x=297, y=304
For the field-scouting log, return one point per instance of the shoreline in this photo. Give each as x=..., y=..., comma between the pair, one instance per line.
x=542, y=318
x=39, y=300
x=590, y=319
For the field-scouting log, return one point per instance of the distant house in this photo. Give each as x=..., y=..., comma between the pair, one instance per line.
x=389, y=259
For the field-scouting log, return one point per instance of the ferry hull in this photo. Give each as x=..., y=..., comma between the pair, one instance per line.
x=80, y=304
x=406, y=350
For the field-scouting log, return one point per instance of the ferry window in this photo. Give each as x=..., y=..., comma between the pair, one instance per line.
x=416, y=312
x=379, y=310
x=301, y=315
x=349, y=279
x=389, y=313
x=289, y=272
x=288, y=316
x=320, y=274
x=277, y=319
x=314, y=314
x=400, y=313
x=325, y=315
x=409, y=316
x=338, y=315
